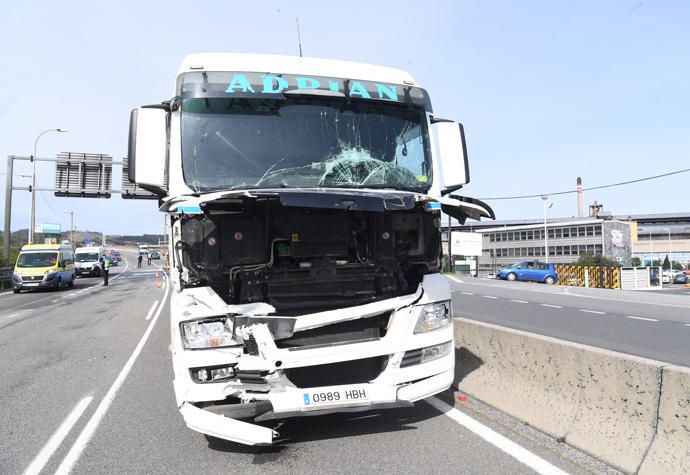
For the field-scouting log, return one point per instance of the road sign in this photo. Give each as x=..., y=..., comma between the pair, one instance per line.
x=86, y=175
x=46, y=228
x=130, y=190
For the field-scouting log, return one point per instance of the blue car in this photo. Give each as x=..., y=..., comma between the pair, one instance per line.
x=529, y=270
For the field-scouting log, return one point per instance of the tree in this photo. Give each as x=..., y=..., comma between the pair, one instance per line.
x=677, y=265
x=636, y=262
x=667, y=263
x=589, y=259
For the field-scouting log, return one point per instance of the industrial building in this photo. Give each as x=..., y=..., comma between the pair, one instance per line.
x=619, y=238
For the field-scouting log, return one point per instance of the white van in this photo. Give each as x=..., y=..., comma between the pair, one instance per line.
x=87, y=259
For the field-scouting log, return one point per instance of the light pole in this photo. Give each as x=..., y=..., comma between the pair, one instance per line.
x=33, y=184
x=545, y=199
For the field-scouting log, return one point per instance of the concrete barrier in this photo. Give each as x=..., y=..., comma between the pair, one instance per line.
x=670, y=451
x=602, y=402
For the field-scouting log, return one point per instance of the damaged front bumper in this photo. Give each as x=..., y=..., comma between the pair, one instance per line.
x=272, y=380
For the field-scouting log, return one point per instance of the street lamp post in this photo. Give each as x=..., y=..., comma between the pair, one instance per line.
x=546, y=234
x=33, y=184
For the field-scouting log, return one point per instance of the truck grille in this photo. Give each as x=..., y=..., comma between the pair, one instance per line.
x=361, y=329
x=335, y=374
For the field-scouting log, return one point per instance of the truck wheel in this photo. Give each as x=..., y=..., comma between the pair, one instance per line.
x=71, y=282
x=16, y=291
x=511, y=276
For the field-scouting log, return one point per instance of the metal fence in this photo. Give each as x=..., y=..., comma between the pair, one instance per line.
x=6, y=277
x=602, y=277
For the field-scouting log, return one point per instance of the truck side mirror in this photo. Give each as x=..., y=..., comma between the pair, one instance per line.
x=452, y=153
x=148, y=149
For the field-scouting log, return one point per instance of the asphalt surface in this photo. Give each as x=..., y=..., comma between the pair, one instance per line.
x=73, y=357
x=653, y=325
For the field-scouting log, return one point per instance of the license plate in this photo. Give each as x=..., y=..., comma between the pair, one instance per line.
x=31, y=284
x=336, y=396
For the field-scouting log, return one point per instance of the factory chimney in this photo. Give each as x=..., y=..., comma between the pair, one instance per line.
x=579, y=197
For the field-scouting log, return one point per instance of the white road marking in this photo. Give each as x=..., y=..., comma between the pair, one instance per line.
x=56, y=300
x=592, y=311
x=686, y=324
x=148, y=315
x=13, y=315
x=466, y=293
x=5, y=294
x=520, y=301
x=551, y=306
x=521, y=454
x=91, y=426
x=642, y=318
x=73, y=294
x=56, y=439
x=489, y=297
x=455, y=279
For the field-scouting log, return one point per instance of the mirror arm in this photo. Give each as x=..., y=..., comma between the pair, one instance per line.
x=451, y=189
x=436, y=120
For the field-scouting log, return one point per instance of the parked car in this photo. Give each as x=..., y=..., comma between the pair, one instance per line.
x=680, y=279
x=154, y=255
x=529, y=270
x=116, y=255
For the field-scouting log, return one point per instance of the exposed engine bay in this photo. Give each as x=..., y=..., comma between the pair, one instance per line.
x=305, y=252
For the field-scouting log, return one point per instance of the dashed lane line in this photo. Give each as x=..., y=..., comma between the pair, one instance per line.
x=489, y=297
x=467, y=293
x=90, y=428
x=58, y=437
x=643, y=318
x=593, y=311
x=516, y=451
x=551, y=306
x=455, y=279
x=519, y=301
x=13, y=315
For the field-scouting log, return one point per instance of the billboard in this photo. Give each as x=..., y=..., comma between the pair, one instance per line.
x=466, y=244
x=46, y=228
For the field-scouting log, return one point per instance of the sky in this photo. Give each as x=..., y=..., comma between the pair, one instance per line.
x=547, y=90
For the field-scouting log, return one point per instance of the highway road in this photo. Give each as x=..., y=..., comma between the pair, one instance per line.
x=87, y=389
x=648, y=324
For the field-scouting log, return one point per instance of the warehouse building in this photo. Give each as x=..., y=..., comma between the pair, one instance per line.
x=646, y=236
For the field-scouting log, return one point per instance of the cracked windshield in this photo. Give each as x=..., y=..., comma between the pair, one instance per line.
x=237, y=143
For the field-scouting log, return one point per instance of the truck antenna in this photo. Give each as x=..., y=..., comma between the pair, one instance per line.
x=299, y=39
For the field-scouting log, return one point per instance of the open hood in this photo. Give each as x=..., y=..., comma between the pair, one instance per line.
x=459, y=207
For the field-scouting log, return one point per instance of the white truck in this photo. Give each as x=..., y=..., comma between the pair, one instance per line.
x=304, y=199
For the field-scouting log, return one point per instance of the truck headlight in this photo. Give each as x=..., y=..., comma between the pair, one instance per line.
x=208, y=333
x=433, y=316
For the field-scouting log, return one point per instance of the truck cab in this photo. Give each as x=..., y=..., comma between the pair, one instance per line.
x=304, y=201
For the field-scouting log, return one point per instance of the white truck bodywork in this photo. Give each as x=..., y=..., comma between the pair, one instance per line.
x=296, y=296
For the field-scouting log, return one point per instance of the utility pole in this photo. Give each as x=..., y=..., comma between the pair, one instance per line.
x=71, y=226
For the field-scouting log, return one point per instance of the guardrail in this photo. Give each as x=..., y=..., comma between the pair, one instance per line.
x=5, y=277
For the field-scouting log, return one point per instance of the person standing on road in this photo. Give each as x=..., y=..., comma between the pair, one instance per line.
x=105, y=267
x=149, y=258
x=139, y=260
